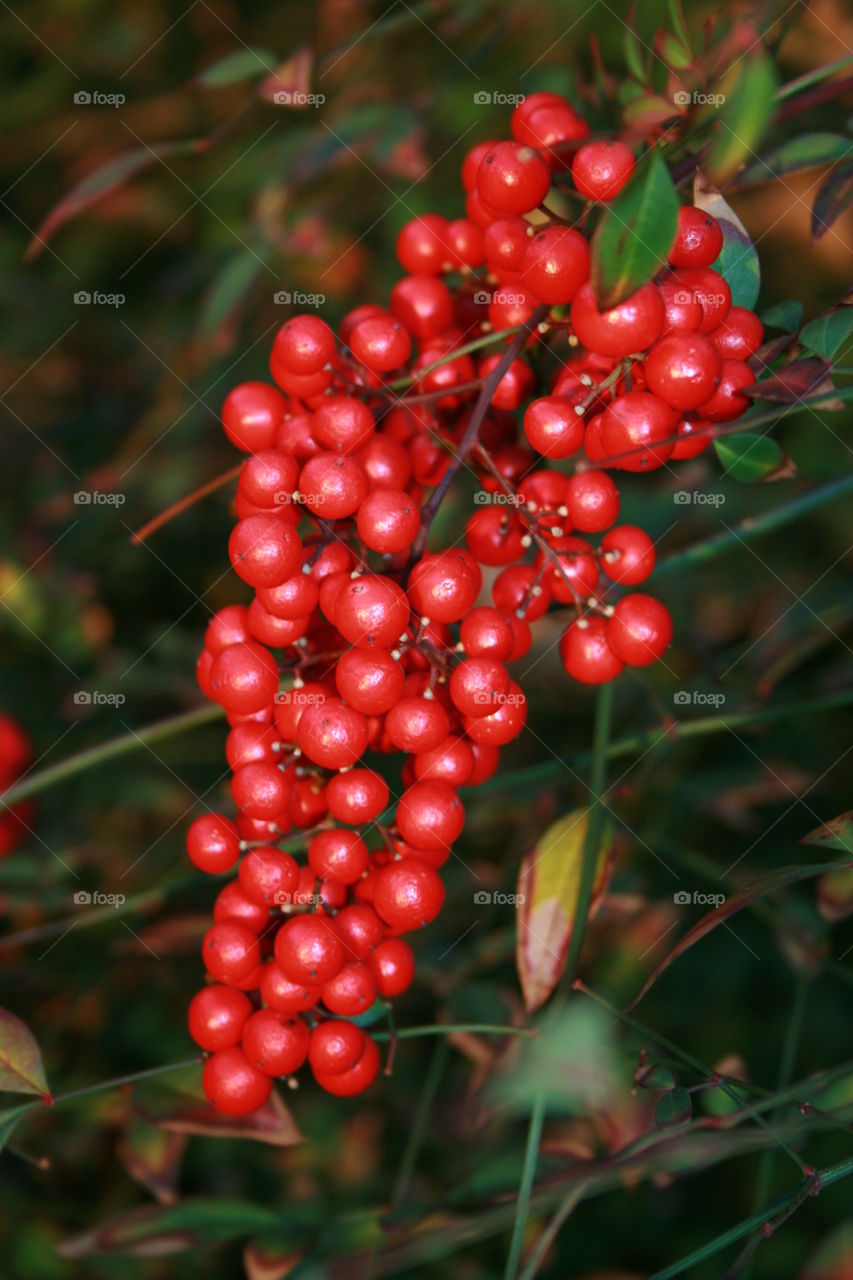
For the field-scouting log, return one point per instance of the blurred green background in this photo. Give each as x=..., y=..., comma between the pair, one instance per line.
x=121, y=397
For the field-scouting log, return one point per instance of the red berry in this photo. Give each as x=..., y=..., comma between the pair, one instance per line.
x=332, y=486
x=430, y=815
x=232, y=904
x=452, y=761
x=213, y=843
x=332, y=734
x=629, y=555
x=304, y=345
x=339, y=855
x=502, y=725
x=640, y=426
x=307, y=950
x=335, y=1047
x=370, y=682
x=244, y=678
x=577, y=577
x=513, y=178
x=443, y=587
x=264, y=550
x=631, y=326
x=232, y=1085
x=343, y=424
x=477, y=685
x=352, y=991
x=639, y=630
x=423, y=304
x=486, y=631
x=710, y=290
x=417, y=724
x=585, y=653
x=737, y=338
x=593, y=501
x=371, y=612
x=230, y=951
x=274, y=1043
x=683, y=369
x=553, y=428
x=357, y=796
x=228, y=626
x=216, y=1017
x=268, y=876
x=494, y=535
x=504, y=243
x=346, y=1084
x=388, y=521
x=392, y=964
x=380, y=343
x=555, y=264
x=252, y=414
x=601, y=169
x=695, y=435
x=421, y=245
x=408, y=893
x=260, y=790
x=283, y=995
x=727, y=402
x=698, y=240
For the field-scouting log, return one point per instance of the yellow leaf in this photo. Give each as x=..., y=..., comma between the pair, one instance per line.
x=547, y=897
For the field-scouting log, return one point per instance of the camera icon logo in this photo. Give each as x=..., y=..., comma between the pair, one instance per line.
x=82, y=98
x=482, y=898
x=681, y=698
x=82, y=698
x=482, y=98
x=681, y=498
x=282, y=97
x=681, y=98
x=482, y=298
x=82, y=498
x=682, y=898
x=282, y=298
x=82, y=298
x=82, y=898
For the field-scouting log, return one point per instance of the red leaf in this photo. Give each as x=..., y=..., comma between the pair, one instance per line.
x=21, y=1067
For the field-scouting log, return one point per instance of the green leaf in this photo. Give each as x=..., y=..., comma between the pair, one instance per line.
x=785, y=316
x=748, y=90
x=673, y=1108
x=227, y=290
x=802, y=152
x=21, y=1067
x=654, y=1076
x=832, y=199
x=242, y=64
x=632, y=50
x=748, y=457
x=738, y=261
x=835, y=834
x=828, y=333
x=156, y=1230
x=378, y=1010
x=679, y=25
x=635, y=233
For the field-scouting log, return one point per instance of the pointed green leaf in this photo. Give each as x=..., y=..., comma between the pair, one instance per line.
x=241, y=64
x=739, y=123
x=679, y=25
x=785, y=316
x=832, y=199
x=748, y=457
x=21, y=1067
x=828, y=333
x=654, y=1076
x=674, y=1108
x=635, y=233
x=802, y=152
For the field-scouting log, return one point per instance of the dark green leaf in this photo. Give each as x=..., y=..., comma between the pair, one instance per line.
x=379, y=1009
x=21, y=1067
x=635, y=233
x=673, y=1108
x=742, y=118
x=748, y=457
x=785, y=315
x=828, y=333
x=242, y=64
x=654, y=1077
x=738, y=260
x=832, y=199
x=802, y=152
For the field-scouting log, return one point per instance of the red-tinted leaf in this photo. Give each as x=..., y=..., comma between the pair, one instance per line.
x=21, y=1067
x=796, y=381
x=263, y=1262
x=832, y=199
x=290, y=83
x=152, y=1156
x=835, y=834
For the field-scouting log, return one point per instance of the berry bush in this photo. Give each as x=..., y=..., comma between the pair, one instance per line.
x=521, y=624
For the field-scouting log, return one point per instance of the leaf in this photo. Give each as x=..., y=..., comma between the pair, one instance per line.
x=21, y=1067
x=654, y=1076
x=635, y=233
x=748, y=457
x=152, y=1156
x=749, y=91
x=180, y=1111
x=264, y=1262
x=827, y=333
x=679, y=24
x=227, y=291
x=241, y=64
x=378, y=1010
x=835, y=834
x=802, y=152
x=785, y=315
x=632, y=50
x=106, y=178
x=794, y=382
x=155, y=1230
x=673, y=1108
x=647, y=111
x=774, y=880
x=832, y=199
x=289, y=85
x=738, y=259
x=548, y=886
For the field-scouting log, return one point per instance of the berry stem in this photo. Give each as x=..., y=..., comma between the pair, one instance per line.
x=183, y=504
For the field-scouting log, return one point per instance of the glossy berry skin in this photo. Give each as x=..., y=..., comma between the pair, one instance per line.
x=346, y=1084
x=283, y=995
x=230, y=951
x=423, y=304
x=601, y=169
x=417, y=724
x=494, y=535
x=486, y=632
x=579, y=576
x=638, y=430
x=342, y=424
x=339, y=855
x=409, y=894
x=359, y=929
x=629, y=555
x=430, y=816
x=593, y=501
x=252, y=414
x=698, y=240
x=357, y=796
x=268, y=478
x=585, y=653
x=512, y=178
x=304, y=345
x=292, y=599
x=213, y=843
x=232, y=1085
x=371, y=612
x=216, y=1017
x=392, y=964
x=515, y=385
x=477, y=685
x=452, y=761
x=264, y=550
x=307, y=950
x=553, y=428
x=504, y=243
x=388, y=521
x=332, y=735
x=739, y=336
x=332, y=486
x=422, y=244
x=502, y=725
x=244, y=678
x=268, y=876
x=695, y=435
x=710, y=290
x=232, y=904
x=274, y=1043
x=335, y=1047
x=631, y=326
x=352, y=991
x=639, y=630
x=371, y=682
x=728, y=402
x=380, y=343
x=443, y=587
x=260, y=790
x=555, y=264
x=683, y=369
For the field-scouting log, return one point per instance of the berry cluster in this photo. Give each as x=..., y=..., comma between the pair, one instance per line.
x=383, y=647
x=15, y=755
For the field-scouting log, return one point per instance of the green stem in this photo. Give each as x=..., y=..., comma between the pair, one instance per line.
x=754, y=527
x=476, y=344
x=549, y=1235
x=450, y=1028
x=812, y=77
x=33, y=783
x=528, y=1172
x=417, y=1133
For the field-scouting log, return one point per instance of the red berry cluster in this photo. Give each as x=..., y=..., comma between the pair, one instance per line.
x=383, y=647
x=15, y=755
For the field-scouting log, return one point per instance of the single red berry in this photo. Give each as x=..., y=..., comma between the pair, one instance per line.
x=452, y=761
x=386, y=463
x=216, y=1017
x=371, y=682
x=515, y=385
x=261, y=790
x=346, y=1084
x=283, y=995
x=494, y=535
x=430, y=815
x=264, y=550
x=269, y=876
x=504, y=243
x=501, y=726
x=275, y=632
x=308, y=950
x=291, y=705
x=553, y=428
x=304, y=345
x=339, y=855
x=486, y=632
x=422, y=244
x=555, y=264
x=698, y=240
x=682, y=311
x=388, y=521
x=229, y=625
x=417, y=724
x=343, y=424
x=585, y=653
x=250, y=742
x=230, y=951
x=252, y=414
x=244, y=677
x=392, y=964
x=332, y=734
x=213, y=843
x=443, y=587
x=695, y=435
x=332, y=486
x=629, y=555
x=232, y=1085
x=737, y=338
x=593, y=501
x=357, y=796
x=641, y=427
x=335, y=1047
x=601, y=169
x=408, y=893
x=639, y=630
x=371, y=612
x=710, y=290
x=380, y=343
x=477, y=685
x=423, y=304
x=577, y=576
x=293, y=599
x=274, y=1043
x=629, y=327
x=232, y=904
x=683, y=369
x=728, y=402
x=352, y=990
x=513, y=178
